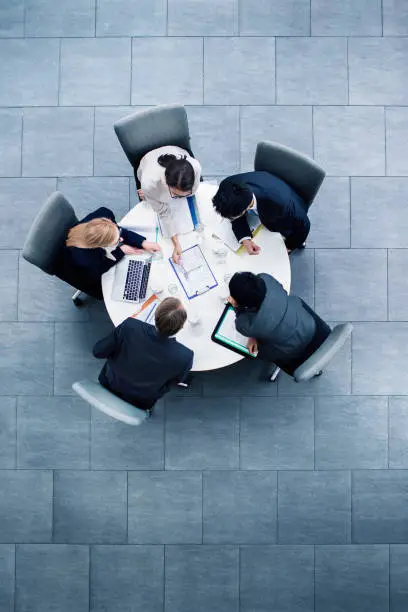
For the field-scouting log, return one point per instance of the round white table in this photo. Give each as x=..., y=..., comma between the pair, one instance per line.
x=272, y=259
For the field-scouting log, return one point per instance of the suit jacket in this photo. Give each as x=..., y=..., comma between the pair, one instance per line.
x=280, y=208
x=141, y=363
x=153, y=183
x=83, y=268
x=282, y=326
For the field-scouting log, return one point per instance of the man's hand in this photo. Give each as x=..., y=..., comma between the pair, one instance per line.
x=252, y=346
x=129, y=250
x=251, y=247
x=140, y=194
x=151, y=247
x=231, y=301
x=176, y=256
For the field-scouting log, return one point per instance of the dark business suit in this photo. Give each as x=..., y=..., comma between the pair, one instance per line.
x=280, y=208
x=83, y=268
x=141, y=363
x=284, y=326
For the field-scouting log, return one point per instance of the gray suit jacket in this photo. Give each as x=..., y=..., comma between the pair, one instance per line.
x=282, y=326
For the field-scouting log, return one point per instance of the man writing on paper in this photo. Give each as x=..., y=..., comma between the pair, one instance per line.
x=281, y=327
x=279, y=207
x=143, y=359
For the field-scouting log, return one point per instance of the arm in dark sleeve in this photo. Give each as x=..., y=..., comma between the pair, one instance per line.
x=98, y=214
x=189, y=364
x=132, y=238
x=95, y=260
x=108, y=345
x=243, y=323
x=300, y=227
x=241, y=228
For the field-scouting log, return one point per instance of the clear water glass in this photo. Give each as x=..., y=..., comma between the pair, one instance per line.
x=173, y=289
x=199, y=229
x=220, y=251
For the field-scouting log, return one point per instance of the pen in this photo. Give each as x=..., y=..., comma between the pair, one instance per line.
x=157, y=233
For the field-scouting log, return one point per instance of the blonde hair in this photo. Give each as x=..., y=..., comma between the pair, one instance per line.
x=93, y=234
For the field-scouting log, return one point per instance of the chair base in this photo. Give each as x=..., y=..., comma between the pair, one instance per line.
x=76, y=298
x=273, y=376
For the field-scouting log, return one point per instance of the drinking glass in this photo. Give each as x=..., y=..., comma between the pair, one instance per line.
x=173, y=288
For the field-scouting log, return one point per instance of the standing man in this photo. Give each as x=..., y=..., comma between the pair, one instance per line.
x=279, y=207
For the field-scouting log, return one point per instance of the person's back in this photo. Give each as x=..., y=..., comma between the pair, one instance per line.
x=279, y=207
x=141, y=361
x=281, y=325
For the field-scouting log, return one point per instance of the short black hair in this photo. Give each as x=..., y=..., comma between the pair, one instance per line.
x=232, y=198
x=247, y=289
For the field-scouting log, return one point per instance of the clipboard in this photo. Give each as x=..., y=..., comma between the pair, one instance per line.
x=146, y=312
x=185, y=277
x=233, y=341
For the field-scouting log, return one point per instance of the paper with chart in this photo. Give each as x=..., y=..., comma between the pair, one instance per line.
x=181, y=216
x=228, y=333
x=146, y=223
x=223, y=229
x=194, y=273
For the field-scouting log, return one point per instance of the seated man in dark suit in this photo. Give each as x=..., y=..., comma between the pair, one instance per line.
x=278, y=206
x=280, y=327
x=143, y=359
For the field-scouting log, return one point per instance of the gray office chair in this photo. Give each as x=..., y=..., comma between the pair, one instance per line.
x=150, y=129
x=296, y=169
x=315, y=364
x=47, y=235
x=110, y=404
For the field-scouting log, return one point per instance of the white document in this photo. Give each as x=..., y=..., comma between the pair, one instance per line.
x=146, y=315
x=181, y=215
x=194, y=272
x=223, y=230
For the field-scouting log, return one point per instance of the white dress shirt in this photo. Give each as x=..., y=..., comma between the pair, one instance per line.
x=155, y=189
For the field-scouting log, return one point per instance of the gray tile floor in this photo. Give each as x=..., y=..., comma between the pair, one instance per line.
x=237, y=495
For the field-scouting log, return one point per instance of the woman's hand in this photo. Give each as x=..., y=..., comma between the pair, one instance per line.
x=140, y=194
x=252, y=346
x=176, y=256
x=177, y=250
x=151, y=247
x=129, y=250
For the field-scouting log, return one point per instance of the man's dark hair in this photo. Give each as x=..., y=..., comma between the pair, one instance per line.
x=179, y=172
x=247, y=289
x=170, y=316
x=232, y=198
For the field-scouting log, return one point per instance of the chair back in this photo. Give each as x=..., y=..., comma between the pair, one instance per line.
x=105, y=401
x=150, y=129
x=325, y=353
x=48, y=231
x=296, y=169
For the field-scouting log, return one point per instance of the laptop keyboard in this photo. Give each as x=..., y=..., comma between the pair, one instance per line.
x=136, y=280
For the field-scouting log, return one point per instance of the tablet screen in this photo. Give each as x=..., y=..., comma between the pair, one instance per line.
x=227, y=334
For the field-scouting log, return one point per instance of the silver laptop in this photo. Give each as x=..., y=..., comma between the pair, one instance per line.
x=131, y=278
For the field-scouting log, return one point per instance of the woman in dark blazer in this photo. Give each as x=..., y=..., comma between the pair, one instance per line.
x=96, y=244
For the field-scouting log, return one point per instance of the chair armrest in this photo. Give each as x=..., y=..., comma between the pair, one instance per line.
x=324, y=353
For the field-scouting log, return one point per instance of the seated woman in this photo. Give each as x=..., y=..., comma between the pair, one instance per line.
x=167, y=174
x=96, y=244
